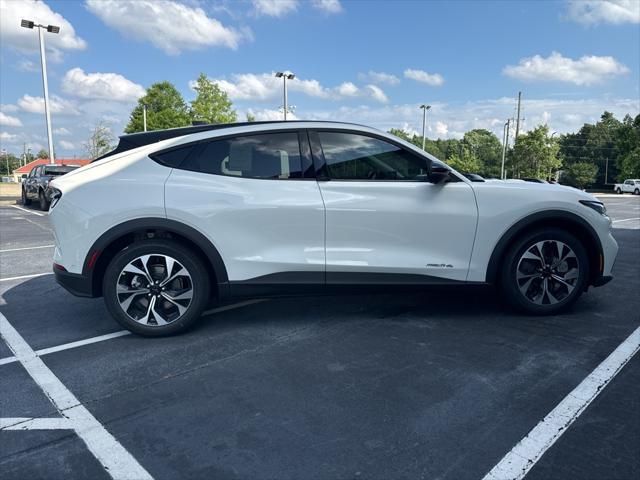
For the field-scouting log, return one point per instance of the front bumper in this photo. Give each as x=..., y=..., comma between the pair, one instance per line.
x=75, y=283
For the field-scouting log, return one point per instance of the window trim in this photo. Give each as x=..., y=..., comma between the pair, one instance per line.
x=305, y=153
x=320, y=162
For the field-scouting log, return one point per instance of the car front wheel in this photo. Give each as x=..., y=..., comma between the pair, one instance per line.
x=545, y=272
x=156, y=288
x=44, y=204
x=636, y=192
x=618, y=191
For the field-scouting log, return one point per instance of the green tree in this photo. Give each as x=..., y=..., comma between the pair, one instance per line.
x=535, y=154
x=251, y=117
x=165, y=109
x=486, y=147
x=100, y=141
x=211, y=105
x=8, y=163
x=580, y=174
x=630, y=165
x=465, y=160
x=42, y=154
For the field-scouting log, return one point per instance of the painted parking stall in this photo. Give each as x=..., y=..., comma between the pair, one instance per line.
x=383, y=386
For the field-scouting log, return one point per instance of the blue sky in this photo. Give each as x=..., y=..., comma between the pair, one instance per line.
x=371, y=62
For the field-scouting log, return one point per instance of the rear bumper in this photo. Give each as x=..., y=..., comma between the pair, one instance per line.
x=75, y=283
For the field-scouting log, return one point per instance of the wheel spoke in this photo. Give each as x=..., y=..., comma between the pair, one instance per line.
x=561, y=280
x=131, y=268
x=525, y=287
x=175, y=275
x=181, y=308
x=160, y=320
x=571, y=274
x=150, y=306
x=127, y=302
x=529, y=255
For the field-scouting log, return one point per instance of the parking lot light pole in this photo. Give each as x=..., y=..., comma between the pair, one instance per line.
x=285, y=76
x=424, y=123
x=51, y=29
x=144, y=116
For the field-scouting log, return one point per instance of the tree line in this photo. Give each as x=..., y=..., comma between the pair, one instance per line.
x=596, y=156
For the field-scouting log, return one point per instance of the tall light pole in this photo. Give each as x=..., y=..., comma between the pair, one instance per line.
x=51, y=29
x=424, y=122
x=144, y=116
x=285, y=76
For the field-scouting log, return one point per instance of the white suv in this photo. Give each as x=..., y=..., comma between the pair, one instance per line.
x=172, y=219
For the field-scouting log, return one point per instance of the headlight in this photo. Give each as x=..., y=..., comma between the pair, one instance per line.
x=597, y=206
x=55, y=197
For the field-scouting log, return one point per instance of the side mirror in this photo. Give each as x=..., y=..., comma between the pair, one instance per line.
x=437, y=173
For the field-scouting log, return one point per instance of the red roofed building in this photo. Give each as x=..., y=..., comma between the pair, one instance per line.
x=24, y=170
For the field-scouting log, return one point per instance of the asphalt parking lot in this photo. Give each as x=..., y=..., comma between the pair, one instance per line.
x=437, y=385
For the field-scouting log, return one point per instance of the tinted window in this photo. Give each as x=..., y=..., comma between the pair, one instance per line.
x=270, y=155
x=358, y=157
x=173, y=158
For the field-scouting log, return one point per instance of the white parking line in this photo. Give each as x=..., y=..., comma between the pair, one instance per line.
x=517, y=463
x=36, y=424
x=10, y=279
x=28, y=211
x=121, y=333
x=115, y=459
x=25, y=248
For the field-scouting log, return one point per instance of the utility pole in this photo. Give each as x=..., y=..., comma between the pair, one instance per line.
x=505, y=145
x=515, y=139
x=424, y=123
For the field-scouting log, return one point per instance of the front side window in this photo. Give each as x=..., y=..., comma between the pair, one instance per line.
x=268, y=156
x=351, y=156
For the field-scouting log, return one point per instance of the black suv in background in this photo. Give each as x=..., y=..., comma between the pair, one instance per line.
x=36, y=185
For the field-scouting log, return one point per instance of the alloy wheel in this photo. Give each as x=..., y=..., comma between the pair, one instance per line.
x=547, y=273
x=154, y=289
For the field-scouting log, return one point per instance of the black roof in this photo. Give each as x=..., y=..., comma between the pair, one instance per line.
x=135, y=140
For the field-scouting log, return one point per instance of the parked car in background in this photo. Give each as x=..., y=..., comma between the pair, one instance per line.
x=36, y=185
x=629, y=186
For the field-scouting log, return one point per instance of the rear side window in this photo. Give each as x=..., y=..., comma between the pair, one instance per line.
x=269, y=156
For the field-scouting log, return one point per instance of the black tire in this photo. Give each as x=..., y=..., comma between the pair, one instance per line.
x=636, y=192
x=510, y=286
x=199, y=282
x=44, y=204
x=619, y=191
x=25, y=199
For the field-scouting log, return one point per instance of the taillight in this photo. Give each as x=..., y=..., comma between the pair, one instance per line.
x=57, y=266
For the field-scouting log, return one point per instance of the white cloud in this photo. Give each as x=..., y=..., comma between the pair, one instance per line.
x=270, y=114
x=27, y=65
x=266, y=87
x=327, y=6
x=61, y=131
x=8, y=107
x=25, y=40
x=587, y=70
x=591, y=12
x=9, y=121
x=65, y=145
x=377, y=93
x=7, y=137
x=347, y=89
x=107, y=86
x=442, y=129
x=379, y=77
x=168, y=25
x=56, y=104
x=433, y=79
x=274, y=8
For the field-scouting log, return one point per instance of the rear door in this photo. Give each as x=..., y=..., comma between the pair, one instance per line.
x=256, y=198
x=385, y=224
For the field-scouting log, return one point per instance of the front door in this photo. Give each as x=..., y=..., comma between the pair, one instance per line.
x=384, y=222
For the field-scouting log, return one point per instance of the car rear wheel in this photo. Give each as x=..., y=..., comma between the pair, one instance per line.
x=636, y=192
x=545, y=272
x=25, y=199
x=156, y=288
x=44, y=204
